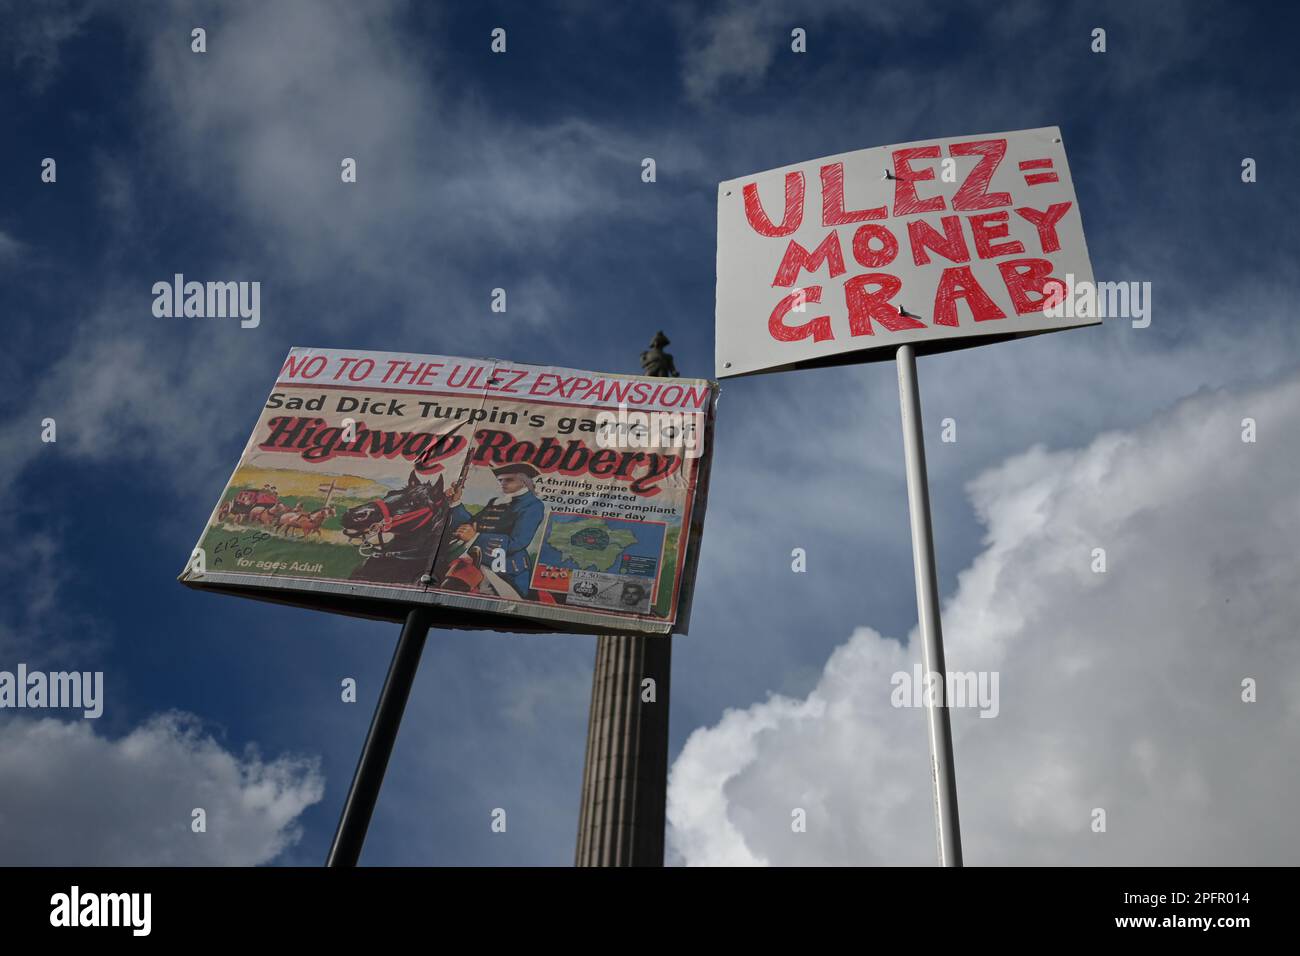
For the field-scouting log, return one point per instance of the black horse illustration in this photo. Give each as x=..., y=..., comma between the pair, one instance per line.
x=401, y=533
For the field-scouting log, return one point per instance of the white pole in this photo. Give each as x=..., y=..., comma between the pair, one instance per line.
x=942, y=774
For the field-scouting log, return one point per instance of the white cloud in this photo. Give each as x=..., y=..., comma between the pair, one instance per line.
x=1119, y=691
x=109, y=398
x=33, y=43
x=10, y=249
x=85, y=800
x=444, y=181
x=738, y=41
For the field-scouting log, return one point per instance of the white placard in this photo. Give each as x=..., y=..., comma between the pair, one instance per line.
x=938, y=243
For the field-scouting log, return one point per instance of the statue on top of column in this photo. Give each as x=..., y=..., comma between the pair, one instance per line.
x=655, y=361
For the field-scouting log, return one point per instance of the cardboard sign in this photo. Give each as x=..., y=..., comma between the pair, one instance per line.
x=943, y=244
x=504, y=495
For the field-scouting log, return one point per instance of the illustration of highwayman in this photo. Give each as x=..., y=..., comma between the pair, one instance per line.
x=508, y=521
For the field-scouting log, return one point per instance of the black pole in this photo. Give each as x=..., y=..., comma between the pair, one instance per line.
x=369, y=775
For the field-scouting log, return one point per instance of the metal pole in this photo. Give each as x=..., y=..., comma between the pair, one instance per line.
x=942, y=773
x=369, y=775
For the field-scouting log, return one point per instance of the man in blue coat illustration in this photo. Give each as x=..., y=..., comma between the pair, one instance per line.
x=509, y=522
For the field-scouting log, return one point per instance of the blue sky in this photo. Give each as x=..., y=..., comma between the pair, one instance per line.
x=522, y=171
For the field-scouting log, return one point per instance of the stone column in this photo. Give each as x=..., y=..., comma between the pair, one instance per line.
x=625, y=778
x=624, y=783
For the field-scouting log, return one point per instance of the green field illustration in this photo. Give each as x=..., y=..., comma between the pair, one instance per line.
x=286, y=522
